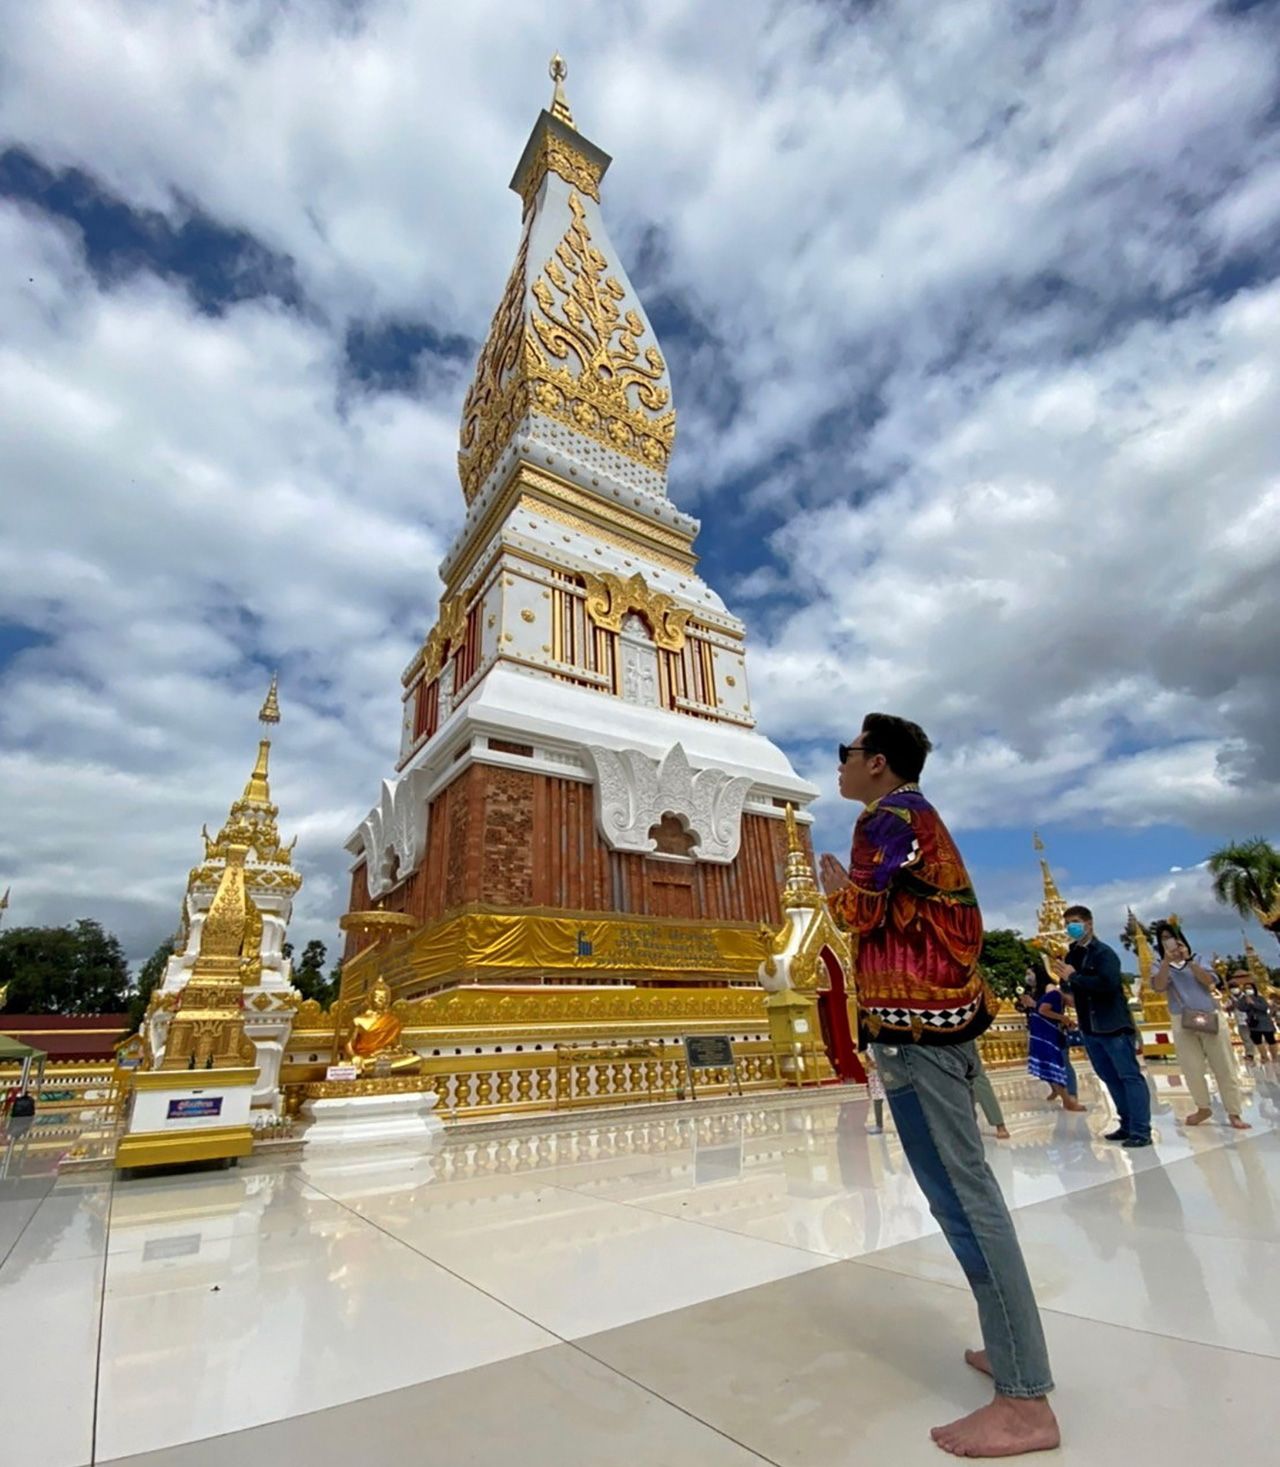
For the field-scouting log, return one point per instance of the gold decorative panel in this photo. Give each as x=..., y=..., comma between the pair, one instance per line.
x=608, y=388
x=610, y=598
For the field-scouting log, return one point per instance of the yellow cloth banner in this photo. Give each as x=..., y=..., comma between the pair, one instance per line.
x=532, y=942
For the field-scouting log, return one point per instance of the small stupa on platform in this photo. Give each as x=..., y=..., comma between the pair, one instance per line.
x=248, y=851
x=807, y=973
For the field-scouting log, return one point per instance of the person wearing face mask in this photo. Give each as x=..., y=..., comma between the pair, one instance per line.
x=1091, y=975
x=1200, y=1034
x=1256, y=1012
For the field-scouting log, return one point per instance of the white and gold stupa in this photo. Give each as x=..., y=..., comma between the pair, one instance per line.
x=249, y=840
x=582, y=795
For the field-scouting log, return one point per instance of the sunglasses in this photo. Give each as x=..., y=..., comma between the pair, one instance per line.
x=844, y=750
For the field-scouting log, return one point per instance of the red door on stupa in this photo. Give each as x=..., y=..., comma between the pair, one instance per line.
x=833, y=1014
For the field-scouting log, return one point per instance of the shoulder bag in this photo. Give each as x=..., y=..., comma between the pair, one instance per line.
x=1200, y=1021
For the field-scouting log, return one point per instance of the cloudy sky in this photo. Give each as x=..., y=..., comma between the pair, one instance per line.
x=973, y=312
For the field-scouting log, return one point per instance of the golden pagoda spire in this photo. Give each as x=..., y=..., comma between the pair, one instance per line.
x=1142, y=950
x=1257, y=968
x=569, y=342
x=257, y=791
x=798, y=886
x=559, y=102
x=251, y=821
x=1051, y=928
x=270, y=710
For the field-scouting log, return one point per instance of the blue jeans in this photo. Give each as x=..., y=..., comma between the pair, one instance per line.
x=930, y=1092
x=1113, y=1057
x=1073, y=1084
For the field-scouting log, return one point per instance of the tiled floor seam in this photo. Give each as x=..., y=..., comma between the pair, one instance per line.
x=102, y=1315
x=8, y=1252
x=675, y=1405
x=444, y=1267
x=701, y=1222
x=559, y=1338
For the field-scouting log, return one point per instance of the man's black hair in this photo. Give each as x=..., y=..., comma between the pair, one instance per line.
x=1079, y=911
x=904, y=744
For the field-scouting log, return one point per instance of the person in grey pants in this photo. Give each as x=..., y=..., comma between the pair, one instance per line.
x=923, y=1003
x=989, y=1102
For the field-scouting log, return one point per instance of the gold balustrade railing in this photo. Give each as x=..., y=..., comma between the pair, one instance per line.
x=571, y=1078
x=1005, y=1043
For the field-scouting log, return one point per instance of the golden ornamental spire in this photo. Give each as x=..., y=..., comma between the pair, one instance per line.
x=798, y=886
x=251, y=821
x=569, y=346
x=1257, y=968
x=270, y=710
x=1142, y=950
x=559, y=102
x=1051, y=928
x=257, y=791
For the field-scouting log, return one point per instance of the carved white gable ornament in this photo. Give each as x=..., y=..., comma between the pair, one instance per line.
x=394, y=833
x=634, y=792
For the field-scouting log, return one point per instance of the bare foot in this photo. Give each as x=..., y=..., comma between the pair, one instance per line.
x=1006, y=1427
x=1073, y=1105
x=1238, y=1125
x=1002, y=1133
x=978, y=1359
x=1198, y=1117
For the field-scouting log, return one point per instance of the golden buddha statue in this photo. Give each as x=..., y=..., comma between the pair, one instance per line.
x=374, y=1043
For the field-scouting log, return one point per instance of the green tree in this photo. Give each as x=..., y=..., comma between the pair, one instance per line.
x=308, y=972
x=1246, y=878
x=150, y=975
x=64, y=970
x=1006, y=955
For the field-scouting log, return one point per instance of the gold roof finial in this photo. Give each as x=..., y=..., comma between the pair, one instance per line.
x=257, y=791
x=559, y=102
x=270, y=710
x=798, y=887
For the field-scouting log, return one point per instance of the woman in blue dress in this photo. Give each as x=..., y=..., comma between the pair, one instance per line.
x=1048, y=1057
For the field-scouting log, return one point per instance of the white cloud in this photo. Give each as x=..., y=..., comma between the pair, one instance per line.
x=956, y=284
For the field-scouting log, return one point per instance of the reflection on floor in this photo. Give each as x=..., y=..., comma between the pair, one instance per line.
x=755, y=1285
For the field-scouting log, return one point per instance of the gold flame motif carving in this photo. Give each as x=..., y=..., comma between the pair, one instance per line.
x=608, y=389
x=610, y=598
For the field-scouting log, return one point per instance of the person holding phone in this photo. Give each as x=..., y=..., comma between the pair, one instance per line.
x=1200, y=1034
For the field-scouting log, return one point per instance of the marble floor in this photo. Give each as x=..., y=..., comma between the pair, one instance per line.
x=757, y=1284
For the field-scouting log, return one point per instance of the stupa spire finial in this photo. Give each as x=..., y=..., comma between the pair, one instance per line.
x=559, y=102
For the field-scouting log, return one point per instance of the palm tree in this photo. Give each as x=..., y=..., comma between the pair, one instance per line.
x=1246, y=876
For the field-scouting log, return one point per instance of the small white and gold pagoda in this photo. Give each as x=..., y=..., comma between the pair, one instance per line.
x=248, y=842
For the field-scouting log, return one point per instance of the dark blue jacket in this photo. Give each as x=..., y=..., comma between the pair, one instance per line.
x=1097, y=990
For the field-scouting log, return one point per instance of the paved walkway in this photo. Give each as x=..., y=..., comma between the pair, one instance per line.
x=763, y=1285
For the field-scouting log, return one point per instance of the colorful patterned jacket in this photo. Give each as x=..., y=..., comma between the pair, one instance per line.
x=910, y=903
